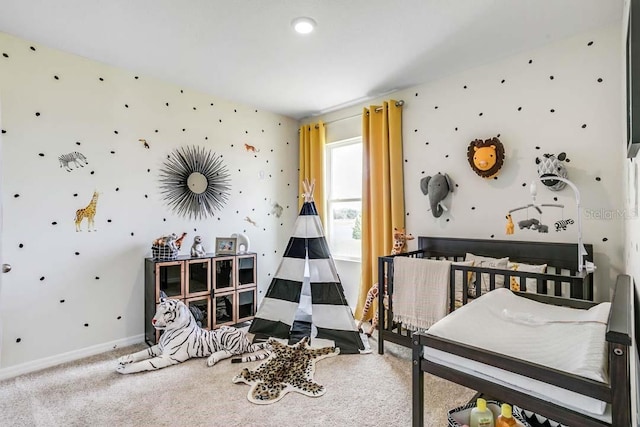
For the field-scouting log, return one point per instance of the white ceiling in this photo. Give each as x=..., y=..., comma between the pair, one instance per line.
x=245, y=50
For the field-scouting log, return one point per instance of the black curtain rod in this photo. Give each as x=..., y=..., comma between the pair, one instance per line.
x=399, y=103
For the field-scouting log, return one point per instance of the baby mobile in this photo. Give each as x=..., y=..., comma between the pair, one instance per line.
x=553, y=174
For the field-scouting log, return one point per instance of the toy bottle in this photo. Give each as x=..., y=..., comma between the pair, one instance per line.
x=505, y=419
x=481, y=416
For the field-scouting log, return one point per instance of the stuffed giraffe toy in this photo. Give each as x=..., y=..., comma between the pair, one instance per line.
x=399, y=246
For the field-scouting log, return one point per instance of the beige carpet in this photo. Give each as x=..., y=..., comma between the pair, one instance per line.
x=362, y=390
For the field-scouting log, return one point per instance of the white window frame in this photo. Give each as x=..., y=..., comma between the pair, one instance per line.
x=329, y=200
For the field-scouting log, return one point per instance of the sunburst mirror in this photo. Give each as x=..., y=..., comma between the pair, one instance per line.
x=194, y=182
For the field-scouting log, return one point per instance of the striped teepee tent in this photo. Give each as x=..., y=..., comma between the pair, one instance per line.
x=330, y=313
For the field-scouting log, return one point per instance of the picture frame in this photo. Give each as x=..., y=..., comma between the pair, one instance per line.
x=226, y=245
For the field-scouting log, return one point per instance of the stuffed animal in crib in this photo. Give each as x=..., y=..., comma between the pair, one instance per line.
x=183, y=339
x=399, y=246
x=197, y=250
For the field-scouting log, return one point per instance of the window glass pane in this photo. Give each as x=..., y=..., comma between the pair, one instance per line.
x=345, y=229
x=346, y=171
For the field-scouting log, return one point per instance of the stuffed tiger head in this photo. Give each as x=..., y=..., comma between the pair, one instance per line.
x=171, y=314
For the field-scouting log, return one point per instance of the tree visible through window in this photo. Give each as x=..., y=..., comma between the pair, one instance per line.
x=344, y=198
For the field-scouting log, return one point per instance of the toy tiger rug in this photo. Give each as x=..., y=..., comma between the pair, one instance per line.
x=288, y=368
x=183, y=339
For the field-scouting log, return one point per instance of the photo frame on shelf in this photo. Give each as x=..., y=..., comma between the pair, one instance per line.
x=226, y=245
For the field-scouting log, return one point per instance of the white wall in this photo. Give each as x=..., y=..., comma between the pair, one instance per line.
x=70, y=292
x=441, y=118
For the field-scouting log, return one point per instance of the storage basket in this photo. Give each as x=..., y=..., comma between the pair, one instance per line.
x=164, y=253
x=460, y=416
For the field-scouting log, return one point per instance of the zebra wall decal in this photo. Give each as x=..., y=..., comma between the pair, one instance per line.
x=72, y=159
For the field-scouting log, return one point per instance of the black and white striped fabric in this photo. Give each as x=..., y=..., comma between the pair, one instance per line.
x=331, y=315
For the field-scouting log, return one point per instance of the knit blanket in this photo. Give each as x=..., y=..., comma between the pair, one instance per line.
x=420, y=291
x=288, y=368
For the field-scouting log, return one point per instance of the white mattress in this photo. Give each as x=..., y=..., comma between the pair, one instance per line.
x=562, y=338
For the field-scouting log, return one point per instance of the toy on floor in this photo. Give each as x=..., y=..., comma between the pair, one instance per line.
x=183, y=339
x=510, y=224
x=197, y=250
x=399, y=246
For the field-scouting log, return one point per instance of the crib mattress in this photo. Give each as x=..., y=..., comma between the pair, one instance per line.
x=567, y=339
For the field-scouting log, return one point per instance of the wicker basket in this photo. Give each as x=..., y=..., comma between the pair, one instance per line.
x=164, y=253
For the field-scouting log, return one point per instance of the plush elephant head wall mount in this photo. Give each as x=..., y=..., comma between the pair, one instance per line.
x=437, y=187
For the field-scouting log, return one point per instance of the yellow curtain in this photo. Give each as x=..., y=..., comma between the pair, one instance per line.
x=382, y=190
x=312, y=143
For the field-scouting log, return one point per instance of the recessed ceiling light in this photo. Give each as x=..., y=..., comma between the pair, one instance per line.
x=303, y=25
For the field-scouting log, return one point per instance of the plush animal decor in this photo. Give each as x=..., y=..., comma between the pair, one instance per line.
x=510, y=226
x=289, y=368
x=486, y=157
x=437, y=187
x=183, y=339
x=197, y=250
x=399, y=246
x=528, y=223
x=550, y=166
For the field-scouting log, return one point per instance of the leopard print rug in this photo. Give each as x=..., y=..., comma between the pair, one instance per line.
x=288, y=368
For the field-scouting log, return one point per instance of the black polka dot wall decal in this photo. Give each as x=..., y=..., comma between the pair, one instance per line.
x=457, y=185
x=92, y=172
x=156, y=131
x=32, y=48
x=436, y=107
x=495, y=177
x=166, y=103
x=447, y=219
x=115, y=131
x=604, y=239
x=426, y=143
x=456, y=129
x=550, y=77
x=37, y=114
x=480, y=114
x=119, y=317
x=108, y=220
x=61, y=301
x=41, y=154
x=211, y=104
x=531, y=61
x=492, y=236
x=16, y=195
x=183, y=129
x=5, y=55
x=54, y=223
x=465, y=86
x=4, y=131
x=415, y=130
x=148, y=170
x=78, y=142
x=537, y=147
x=146, y=196
x=77, y=253
x=117, y=188
x=19, y=339
x=164, y=219
x=446, y=156
x=524, y=184
x=113, y=152
x=21, y=246
x=136, y=77
x=132, y=233
x=235, y=111
x=590, y=43
x=555, y=199
x=599, y=80
x=97, y=277
x=473, y=208
x=86, y=325
x=598, y=178
x=502, y=81
x=101, y=79
x=56, y=77
x=220, y=120
x=75, y=194
x=126, y=105
x=552, y=110
x=584, y=125
x=42, y=279
x=181, y=91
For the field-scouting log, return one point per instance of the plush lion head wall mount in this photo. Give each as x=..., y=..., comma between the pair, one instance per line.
x=486, y=157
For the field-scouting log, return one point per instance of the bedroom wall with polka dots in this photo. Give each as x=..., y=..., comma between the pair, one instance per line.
x=566, y=96
x=71, y=126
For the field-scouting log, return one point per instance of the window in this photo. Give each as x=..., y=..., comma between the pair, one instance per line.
x=344, y=198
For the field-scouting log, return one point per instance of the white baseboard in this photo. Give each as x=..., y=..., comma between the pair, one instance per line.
x=47, y=362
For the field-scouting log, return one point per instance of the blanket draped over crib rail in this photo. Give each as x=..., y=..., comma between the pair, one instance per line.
x=420, y=293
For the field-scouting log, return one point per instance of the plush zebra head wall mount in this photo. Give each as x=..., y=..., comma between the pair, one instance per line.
x=550, y=166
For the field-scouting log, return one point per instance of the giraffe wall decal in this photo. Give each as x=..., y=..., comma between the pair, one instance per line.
x=89, y=212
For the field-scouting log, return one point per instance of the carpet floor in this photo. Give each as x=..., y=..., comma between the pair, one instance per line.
x=362, y=390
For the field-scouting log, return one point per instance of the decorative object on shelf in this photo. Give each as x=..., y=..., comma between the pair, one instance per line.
x=226, y=245
x=164, y=248
x=184, y=339
x=486, y=157
x=180, y=239
x=288, y=368
x=551, y=166
x=74, y=158
x=243, y=243
x=197, y=250
x=510, y=226
x=437, y=187
x=89, y=212
x=194, y=182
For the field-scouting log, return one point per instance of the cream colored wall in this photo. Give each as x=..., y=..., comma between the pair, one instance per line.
x=70, y=294
x=579, y=78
